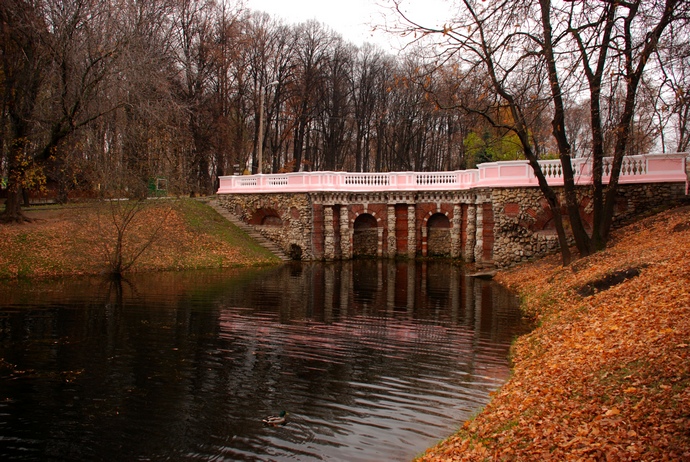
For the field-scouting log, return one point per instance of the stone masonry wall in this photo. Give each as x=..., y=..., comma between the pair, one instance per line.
x=524, y=227
x=366, y=241
x=293, y=209
x=438, y=242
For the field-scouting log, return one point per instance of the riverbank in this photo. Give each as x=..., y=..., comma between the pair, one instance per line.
x=82, y=238
x=605, y=374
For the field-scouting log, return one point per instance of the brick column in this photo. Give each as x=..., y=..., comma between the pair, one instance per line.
x=455, y=232
x=411, y=232
x=345, y=234
x=425, y=241
x=390, y=221
x=328, y=233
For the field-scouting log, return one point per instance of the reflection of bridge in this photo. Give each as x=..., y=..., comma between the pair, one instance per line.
x=494, y=213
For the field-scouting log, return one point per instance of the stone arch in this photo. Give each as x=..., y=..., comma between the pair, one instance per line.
x=295, y=252
x=438, y=235
x=365, y=236
x=266, y=217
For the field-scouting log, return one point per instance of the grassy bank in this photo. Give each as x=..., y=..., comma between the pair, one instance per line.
x=81, y=239
x=605, y=374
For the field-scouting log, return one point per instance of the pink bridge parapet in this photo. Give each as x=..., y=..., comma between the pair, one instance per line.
x=654, y=168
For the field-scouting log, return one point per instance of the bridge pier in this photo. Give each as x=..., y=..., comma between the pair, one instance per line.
x=345, y=234
x=456, y=232
x=328, y=233
x=411, y=232
x=471, y=233
x=390, y=230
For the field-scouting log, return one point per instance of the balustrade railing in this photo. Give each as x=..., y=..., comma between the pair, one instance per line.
x=635, y=169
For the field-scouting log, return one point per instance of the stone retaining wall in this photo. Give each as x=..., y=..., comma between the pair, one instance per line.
x=294, y=211
x=524, y=227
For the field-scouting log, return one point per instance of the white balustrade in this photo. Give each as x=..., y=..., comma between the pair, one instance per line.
x=635, y=169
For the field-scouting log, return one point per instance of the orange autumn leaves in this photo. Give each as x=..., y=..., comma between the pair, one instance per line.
x=71, y=241
x=603, y=377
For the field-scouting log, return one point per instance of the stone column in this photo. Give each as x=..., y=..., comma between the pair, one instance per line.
x=411, y=232
x=392, y=243
x=379, y=242
x=425, y=241
x=468, y=251
x=455, y=235
x=479, y=234
x=328, y=233
x=345, y=235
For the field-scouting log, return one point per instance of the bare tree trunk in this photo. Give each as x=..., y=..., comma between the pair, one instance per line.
x=13, y=208
x=582, y=240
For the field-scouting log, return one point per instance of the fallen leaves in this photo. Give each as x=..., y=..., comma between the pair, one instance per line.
x=605, y=375
x=70, y=241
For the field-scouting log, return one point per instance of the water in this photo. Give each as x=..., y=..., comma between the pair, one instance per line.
x=371, y=360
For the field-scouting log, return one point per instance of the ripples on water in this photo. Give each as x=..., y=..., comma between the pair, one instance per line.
x=372, y=360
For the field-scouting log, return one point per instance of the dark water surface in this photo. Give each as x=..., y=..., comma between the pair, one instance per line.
x=372, y=360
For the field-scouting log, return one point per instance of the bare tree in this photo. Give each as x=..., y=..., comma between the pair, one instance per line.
x=336, y=110
x=518, y=53
x=673, y=87
x=24, y=61
x=365, y=80
x=312, y=44
x=59, y=57
x=192, y=41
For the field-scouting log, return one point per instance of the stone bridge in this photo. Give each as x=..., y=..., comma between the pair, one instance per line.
x=494, y=215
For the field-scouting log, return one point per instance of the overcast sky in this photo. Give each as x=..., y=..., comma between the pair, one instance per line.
x=353, y=19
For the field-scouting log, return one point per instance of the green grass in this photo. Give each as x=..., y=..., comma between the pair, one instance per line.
x=203, y=219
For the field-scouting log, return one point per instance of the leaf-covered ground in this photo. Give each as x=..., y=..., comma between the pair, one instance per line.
x=73, y=240
x=605, y=376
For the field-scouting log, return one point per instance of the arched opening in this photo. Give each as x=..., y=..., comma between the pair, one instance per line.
x=271, y=220
x=266, y=217
x=438, y=235
x=366, y=237
x=295, y=252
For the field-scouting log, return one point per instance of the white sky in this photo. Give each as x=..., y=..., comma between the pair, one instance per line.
x=353, y=19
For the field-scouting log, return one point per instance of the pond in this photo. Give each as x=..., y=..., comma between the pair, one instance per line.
x=372, y=360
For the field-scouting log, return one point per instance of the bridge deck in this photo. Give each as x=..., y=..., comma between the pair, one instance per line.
x=656, y=168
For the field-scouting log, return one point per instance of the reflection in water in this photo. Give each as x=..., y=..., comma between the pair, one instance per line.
x=372, y=360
